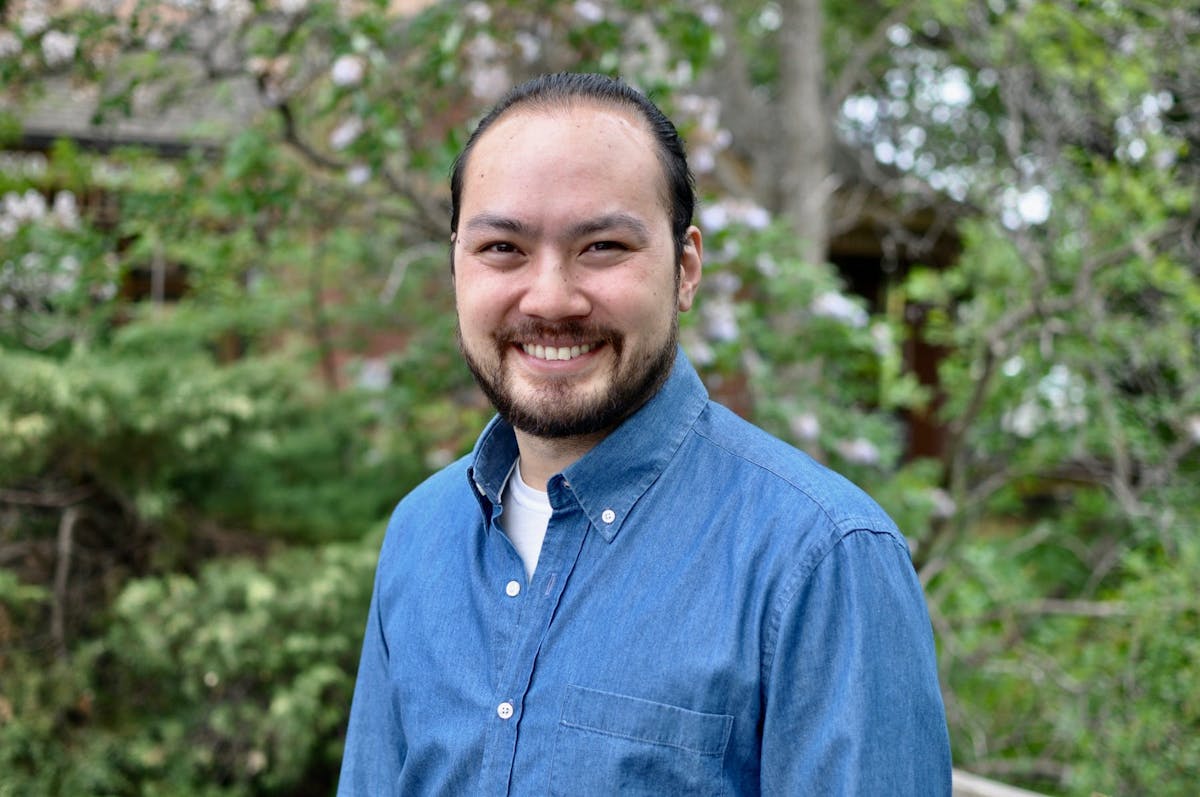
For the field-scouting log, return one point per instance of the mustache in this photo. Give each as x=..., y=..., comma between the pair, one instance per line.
x=563, y=332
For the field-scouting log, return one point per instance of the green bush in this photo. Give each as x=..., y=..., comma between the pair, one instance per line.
x=233, y=682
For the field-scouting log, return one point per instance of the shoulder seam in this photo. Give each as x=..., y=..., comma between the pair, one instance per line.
x=845, y=525
x=798, y=577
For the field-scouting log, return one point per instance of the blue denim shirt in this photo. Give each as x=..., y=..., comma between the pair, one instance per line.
x=713, y=613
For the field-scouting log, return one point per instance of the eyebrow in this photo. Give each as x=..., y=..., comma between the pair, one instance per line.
x=494, y=221
x=609, y=221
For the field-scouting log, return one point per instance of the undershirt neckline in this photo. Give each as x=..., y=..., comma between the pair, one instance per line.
x=524, y=517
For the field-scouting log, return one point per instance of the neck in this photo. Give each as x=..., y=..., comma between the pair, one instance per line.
x=542, y=457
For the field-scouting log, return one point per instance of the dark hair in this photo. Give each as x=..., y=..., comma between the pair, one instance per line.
x=560, y=91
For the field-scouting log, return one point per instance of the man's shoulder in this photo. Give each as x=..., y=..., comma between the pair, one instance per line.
x=443, y=488
x=784, y=473
x=440, y=503
x=431, y=513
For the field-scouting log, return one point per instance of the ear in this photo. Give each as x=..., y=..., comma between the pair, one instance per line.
x=690, y=265
x=453, y=246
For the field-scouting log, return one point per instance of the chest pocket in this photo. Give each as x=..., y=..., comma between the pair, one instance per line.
x=614, y=744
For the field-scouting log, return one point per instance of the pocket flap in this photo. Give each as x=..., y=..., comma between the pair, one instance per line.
x=646, y=720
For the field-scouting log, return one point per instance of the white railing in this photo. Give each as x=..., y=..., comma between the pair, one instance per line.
x=968, y=785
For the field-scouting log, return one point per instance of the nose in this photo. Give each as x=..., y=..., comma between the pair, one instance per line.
x=552, y=290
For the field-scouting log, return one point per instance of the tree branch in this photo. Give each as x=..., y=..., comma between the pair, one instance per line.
x=863, y=53
x=62, y=575
x=49, y=500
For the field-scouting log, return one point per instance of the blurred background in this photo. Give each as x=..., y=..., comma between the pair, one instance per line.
x=951, y=250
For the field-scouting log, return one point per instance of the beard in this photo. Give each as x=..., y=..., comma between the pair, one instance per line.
x=558, y=410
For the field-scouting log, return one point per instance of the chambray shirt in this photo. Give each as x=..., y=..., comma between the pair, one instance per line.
x=713, y=613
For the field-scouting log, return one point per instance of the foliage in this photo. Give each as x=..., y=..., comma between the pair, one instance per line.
x=235, y=681
x=217, y=371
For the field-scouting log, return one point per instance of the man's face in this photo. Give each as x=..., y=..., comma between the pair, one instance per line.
x=566, y=281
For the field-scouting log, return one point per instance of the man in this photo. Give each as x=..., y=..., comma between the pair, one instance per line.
x=624, y=588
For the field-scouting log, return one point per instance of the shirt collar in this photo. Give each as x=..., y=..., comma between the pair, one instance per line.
x=607, y=481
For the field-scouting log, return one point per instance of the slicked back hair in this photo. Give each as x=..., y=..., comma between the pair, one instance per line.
x=562, y=91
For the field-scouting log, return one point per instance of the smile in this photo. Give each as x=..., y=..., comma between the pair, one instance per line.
x=556, y=352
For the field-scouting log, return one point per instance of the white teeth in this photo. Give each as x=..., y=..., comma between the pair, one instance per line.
x=555, y=352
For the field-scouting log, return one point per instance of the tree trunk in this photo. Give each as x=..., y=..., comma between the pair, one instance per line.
x=805, y=179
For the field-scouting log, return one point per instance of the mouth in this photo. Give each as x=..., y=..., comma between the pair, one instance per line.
x=540, y=352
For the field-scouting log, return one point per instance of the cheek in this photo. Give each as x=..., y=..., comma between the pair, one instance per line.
x=480, y=300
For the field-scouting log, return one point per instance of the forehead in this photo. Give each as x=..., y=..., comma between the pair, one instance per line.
x=584, y=149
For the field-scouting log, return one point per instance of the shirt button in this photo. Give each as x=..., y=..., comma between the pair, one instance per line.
x=608, y=516
x=505, y=710
x=512, y=589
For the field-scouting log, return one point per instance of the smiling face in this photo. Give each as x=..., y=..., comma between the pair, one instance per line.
x=566, y=281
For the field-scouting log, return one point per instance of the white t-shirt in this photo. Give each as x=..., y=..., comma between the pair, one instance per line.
x=524, y=518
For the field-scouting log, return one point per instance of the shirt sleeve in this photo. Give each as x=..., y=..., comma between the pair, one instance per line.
x=853, y=705
x=374, y=745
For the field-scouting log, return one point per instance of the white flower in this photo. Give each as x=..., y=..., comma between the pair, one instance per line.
x=158, y=40
x=859, y=451
x=720, y=321
x=10, y=45
x=1193, y=425
x=943, y=504
x=1064, y=391
x=345, y=134
x=755, y=217
x=58, y=47
x=723, y=283
x=30, y=206
x=1023, y=421
x=529, y=45
x=256, y=761
x=483, y=47
x=358, y=174
x=697, y=349
x=710, y=14
x=805, y=426
x=703, y=161
x=714, y=217
x=881, y=337
x=840, y=308
x=682, y=74
x=66, y=277
x=479, y=13
x=374, y=374
x=347, y=70
x=33, y=22
x=766, y=265
x=489, y=82
x=66, y=209
x=719, y=215
x=589, y=11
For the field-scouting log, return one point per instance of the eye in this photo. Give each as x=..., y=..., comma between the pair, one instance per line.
x=607, y=246
x=499, y=247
